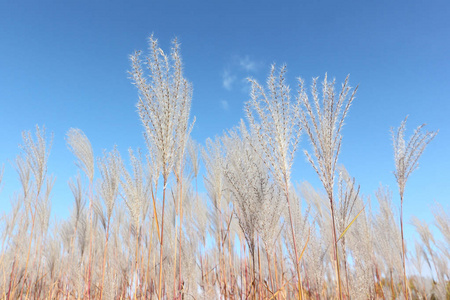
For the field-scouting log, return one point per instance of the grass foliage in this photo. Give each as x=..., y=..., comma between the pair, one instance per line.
x=143, y=230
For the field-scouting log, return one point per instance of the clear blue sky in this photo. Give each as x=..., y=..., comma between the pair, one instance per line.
x=64, y=64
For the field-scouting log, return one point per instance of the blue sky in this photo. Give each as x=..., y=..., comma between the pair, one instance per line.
x=64, y=64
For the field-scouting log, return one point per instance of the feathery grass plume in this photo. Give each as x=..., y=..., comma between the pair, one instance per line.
x=35, y=155
x=316, y=264
x=194, y=160
x=52, y=255
x=419, y=280
x=136, y=193
x=348, y=197
x=322, y=120
x=79, y=197
x=273, y=121
x=356, y=239
x=214, y=181
x=12, y=220
x=164, y=106
x=318, y=256
x=270, y=225
x=420, y=255
x=431, y=256
x=23, y=169
x=81, y=147
x=302, y=229
x=186, y=238
x=213, y=156
x=108, y=188
x=164, y=102
x=442, y=222
x=44, y=207
x=406, y=157
x=427, y=239
x=442, y=286
x=255, y=197
x=387, y=237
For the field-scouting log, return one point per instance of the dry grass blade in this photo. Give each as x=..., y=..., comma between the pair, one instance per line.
x=350, y=224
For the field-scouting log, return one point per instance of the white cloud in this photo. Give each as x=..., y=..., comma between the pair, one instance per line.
x=225, y=105
x=247, y=64
x=237, y=70
x=228, y=79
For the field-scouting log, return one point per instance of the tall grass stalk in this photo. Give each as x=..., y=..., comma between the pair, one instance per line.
x=273, y=120
x=322, y=121
x=406, y=157
x=36, y=153
x=164, y=106
x=81, y=147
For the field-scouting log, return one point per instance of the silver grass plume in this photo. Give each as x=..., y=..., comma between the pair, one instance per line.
x=23, y=169
x=135, y=190
x=80, y=146
x=406, y=157
x=110, y=169
x=387, y=235
x=248, y=180
x=442, y=222
x=213, y=157
x=44, y=207
x=36, y=154
x=80, y=200
x=323, y=121
x=164, y=103
x=407, y=154
x=273, y=121
x=427, y=240
x=164, y=106
x=193, y=151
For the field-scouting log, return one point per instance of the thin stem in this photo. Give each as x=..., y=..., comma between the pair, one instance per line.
x=405, y=282
x=161, y=243
x=336, y=253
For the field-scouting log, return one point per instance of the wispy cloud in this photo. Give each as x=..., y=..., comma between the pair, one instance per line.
x=224, y=104
x=247, y=64
x=228, y=79
x=237, y=70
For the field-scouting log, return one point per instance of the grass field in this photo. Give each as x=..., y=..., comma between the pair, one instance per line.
x=143, y=230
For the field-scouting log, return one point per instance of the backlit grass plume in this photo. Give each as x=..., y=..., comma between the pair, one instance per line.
x=406, y=157
x=322, y=120
x=164, y=106
x=273, y=121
